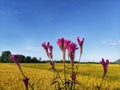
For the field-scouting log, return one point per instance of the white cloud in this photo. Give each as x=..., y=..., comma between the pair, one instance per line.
x=111, y=42
x=104, y=42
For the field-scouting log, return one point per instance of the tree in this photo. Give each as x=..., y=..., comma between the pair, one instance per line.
x=0, y=59
x=34, y=60
x=40, y=59
x=5, y=57
x=21, y=58
x=27, y=59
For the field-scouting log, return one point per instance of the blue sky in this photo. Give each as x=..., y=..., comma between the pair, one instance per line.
x=25, y=24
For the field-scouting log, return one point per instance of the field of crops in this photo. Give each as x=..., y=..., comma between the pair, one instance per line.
x=41, y=77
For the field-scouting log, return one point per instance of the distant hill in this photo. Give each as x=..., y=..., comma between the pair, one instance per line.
x=117, y=61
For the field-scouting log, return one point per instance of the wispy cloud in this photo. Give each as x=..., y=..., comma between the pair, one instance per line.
x=111, y=42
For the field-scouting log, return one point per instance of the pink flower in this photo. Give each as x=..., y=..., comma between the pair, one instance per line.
x=45, y=46
x=105, y=66
x=60, y=43
x=80, y=44
x=14, y=58
x=66, y=43
x=52, y=64
x=25, y=80
x=50, y=53
x=73, y=76
x=48, y=48
x=72, y=47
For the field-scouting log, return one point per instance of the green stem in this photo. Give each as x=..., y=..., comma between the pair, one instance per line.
x=65, y=74
x=25, y=77
x=72, y=79
x=80, y=58
x=78, y=62
x=61, y=80
x=63, y=54
x=26, y=88
x=101, y=84
x=74, y=86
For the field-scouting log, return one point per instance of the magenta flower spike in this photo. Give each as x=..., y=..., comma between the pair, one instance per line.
x=80, y=44
x=25, y=80
x=14, y=58
x=105, y=66
x=73, y=76
x=66, y=43
x=45, y=46
x=48, y=43
x=60, y=43
x=50, y=53
x=48, y=48
x=72, y=47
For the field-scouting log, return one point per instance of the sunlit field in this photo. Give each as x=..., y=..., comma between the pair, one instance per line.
x=40, y=76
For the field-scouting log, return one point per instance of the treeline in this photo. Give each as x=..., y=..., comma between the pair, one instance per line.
x=5, y=57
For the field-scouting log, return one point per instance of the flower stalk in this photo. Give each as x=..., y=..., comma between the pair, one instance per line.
x=105, y=69
x=71, y=48
x=14, y=58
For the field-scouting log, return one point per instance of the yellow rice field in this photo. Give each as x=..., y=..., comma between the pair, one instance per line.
x=40, y=76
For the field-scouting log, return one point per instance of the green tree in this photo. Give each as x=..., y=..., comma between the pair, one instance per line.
x=34, y=60
x=27, y=59
x=5, y=57
x=40, y=59
x=21, y=58
x=0, y=59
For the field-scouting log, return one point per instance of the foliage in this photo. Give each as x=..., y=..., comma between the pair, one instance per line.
x=4, y=58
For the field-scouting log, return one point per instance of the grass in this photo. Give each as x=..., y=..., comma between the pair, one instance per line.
x=89, y=75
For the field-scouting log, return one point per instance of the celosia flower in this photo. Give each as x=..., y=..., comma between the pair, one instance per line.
x=25, y=80
x=73, y=76
x=50, y=53
x=72, y=47
x=48, y=43
x=48, y=49
x=14, y=58
x=80, y=44
x=45, y=46
x=66, y=43
x=105, y=66
x=52, y=64
x=60, y=43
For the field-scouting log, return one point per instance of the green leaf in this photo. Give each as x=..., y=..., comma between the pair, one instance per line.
x=77, y=82
x=54, y=82
x=55, y=78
